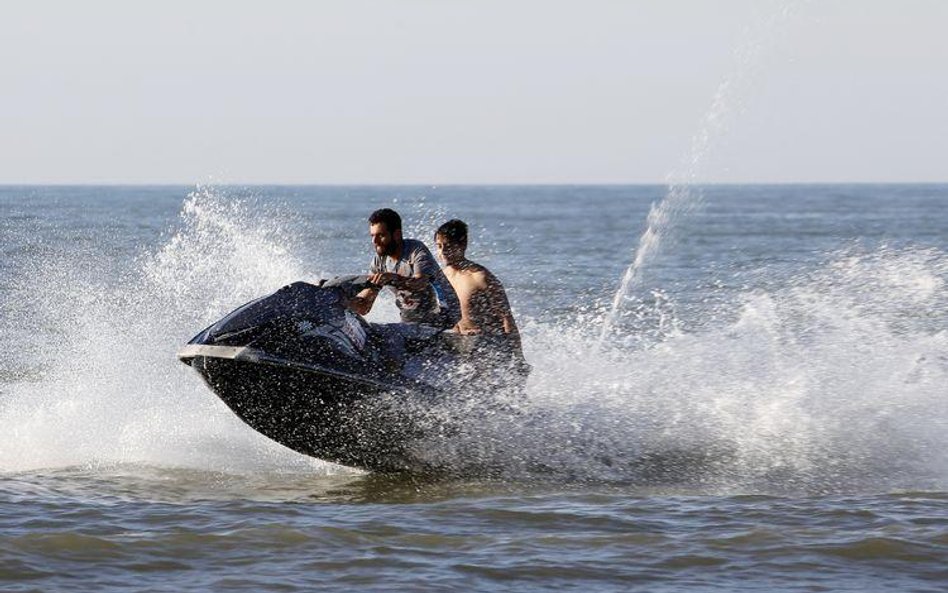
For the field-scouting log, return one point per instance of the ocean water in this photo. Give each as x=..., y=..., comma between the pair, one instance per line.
x=762, y=405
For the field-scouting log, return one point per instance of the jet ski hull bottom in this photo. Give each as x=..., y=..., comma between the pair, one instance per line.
x=323, y=414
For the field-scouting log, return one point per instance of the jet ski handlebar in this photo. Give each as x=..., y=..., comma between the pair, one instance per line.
x=350, y=285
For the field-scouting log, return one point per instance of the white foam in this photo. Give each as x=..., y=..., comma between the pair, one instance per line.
x=112, y=390
x=833, y=382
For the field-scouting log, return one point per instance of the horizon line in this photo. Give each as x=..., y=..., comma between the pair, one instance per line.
x=450, y=184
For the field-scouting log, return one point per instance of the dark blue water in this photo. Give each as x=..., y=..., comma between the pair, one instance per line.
x=768, y=411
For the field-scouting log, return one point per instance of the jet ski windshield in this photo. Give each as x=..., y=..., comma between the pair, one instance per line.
x=299, y=302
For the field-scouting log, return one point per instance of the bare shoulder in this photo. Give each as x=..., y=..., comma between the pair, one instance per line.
x=486, y=278
x=494, y=289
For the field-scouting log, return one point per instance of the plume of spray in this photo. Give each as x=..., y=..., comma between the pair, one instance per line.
x=683, y=197
x=831, y=382
x=111, y=391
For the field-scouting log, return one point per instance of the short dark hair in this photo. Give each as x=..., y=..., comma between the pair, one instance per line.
x=388, y=217
x=455, y=231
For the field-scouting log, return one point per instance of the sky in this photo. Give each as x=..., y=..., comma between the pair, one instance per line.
x=452, y=92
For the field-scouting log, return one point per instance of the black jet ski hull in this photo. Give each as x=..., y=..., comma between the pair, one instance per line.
x=302, y=369
x=327, y=415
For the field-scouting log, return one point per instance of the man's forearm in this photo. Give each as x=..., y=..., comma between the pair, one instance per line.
x=360, y=305
x=415, y=284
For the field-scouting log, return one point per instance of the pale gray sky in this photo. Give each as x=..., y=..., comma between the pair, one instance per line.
x=442, y=91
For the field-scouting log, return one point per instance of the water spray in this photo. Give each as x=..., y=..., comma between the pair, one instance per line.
x=683, y=197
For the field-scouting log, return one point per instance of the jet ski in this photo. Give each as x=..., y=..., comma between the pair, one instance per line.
x=303, y=369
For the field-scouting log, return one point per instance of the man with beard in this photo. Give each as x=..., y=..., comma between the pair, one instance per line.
x=422, y=292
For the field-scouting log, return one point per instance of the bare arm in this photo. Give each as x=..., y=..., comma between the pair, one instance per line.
x=415, y=284
x=362, y=302
x=500, y=308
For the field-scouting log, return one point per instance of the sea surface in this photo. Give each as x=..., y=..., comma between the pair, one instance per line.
x=762, y=406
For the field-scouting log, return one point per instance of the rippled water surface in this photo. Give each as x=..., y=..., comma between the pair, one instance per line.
x=166, y=530
x=767, y=409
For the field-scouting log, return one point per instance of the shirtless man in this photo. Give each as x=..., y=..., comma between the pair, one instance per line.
x=422, y=293
x=484, y=306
